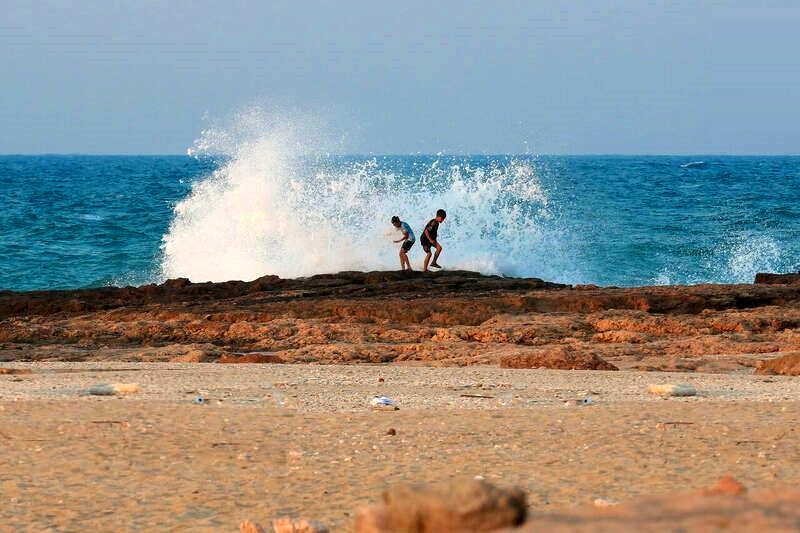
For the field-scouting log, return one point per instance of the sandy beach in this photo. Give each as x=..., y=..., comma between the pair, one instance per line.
x=272, y=440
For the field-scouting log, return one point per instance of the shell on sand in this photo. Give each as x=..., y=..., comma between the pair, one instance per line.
x=110, y=389
x=681, y=389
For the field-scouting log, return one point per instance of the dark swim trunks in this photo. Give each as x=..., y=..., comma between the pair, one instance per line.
x=407, y=245
x=426, y=245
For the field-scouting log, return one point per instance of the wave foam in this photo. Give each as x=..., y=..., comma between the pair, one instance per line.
x=276, y=206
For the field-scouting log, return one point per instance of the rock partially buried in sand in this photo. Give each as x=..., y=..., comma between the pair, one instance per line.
x=726, y=486
x=15, y=371
x=111, y=389
x=251, y=358
x=461, y=505
x=603, y=503
x=301, y=525
x=681, y=389
x=787, y=365
x=559, y=358
x=246, y=526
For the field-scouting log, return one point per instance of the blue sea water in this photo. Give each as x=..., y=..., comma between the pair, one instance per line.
x=85, y=221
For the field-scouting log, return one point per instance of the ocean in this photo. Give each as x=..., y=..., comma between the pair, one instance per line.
x=88, y=221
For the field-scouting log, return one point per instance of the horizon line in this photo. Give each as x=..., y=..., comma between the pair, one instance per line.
x=417, y=154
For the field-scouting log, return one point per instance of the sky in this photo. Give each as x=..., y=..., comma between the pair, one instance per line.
x=578, y=77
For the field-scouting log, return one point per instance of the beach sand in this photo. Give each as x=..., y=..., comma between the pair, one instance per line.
x=301, y=440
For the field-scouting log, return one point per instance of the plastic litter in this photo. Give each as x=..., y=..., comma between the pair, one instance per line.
x=681, y=389
x=506, y=400
x=579, y=401
x=383, y=403
x=112, y=389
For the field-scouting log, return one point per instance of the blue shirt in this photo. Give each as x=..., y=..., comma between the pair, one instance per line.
x=405, y=227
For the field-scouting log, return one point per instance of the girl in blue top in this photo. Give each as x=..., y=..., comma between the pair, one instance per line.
x=408, y=240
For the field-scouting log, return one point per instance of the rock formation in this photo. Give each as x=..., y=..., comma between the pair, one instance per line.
x=443, y=318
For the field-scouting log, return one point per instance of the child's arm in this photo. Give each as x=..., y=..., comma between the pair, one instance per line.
x=405, y=237
x=428, y=235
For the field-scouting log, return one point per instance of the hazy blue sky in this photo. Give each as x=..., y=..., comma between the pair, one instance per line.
x=589, y=76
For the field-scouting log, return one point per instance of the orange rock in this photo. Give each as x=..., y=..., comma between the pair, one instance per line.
x=251, y=358
x=247, y=526
x=726, y=486
x=373, y=519
x=559, y=357
x=192, y=356
x=787, y=365
x=457, y=319
x=302, y=525
x=14, y=371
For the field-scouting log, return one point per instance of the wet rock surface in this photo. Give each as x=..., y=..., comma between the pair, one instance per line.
x=450, y=318
x=778, y=279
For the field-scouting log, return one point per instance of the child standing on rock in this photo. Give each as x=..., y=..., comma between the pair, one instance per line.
x=407, y=239
x=428, y=240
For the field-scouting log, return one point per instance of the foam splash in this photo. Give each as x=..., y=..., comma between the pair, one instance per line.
x=734, y=259
x=747, y=254
x=276, y=206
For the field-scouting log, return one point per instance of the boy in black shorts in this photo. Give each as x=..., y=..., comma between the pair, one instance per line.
x=428, y=239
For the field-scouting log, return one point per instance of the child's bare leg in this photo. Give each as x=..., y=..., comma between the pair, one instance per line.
x=436, y=255
x=427, y=259
x=404, y=262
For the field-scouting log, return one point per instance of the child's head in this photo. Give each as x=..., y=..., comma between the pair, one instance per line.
x=396, y=221
x=441, y=214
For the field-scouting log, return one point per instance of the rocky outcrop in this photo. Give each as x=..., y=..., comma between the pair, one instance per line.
x=778, y=279
x=557, y=357
x=443, y=318
x=787, y=365
x=532, y=294
x=183, y=292
x=251, y=358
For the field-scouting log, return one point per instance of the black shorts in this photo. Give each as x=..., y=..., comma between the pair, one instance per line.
x=426, y=245
x=407, y=245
